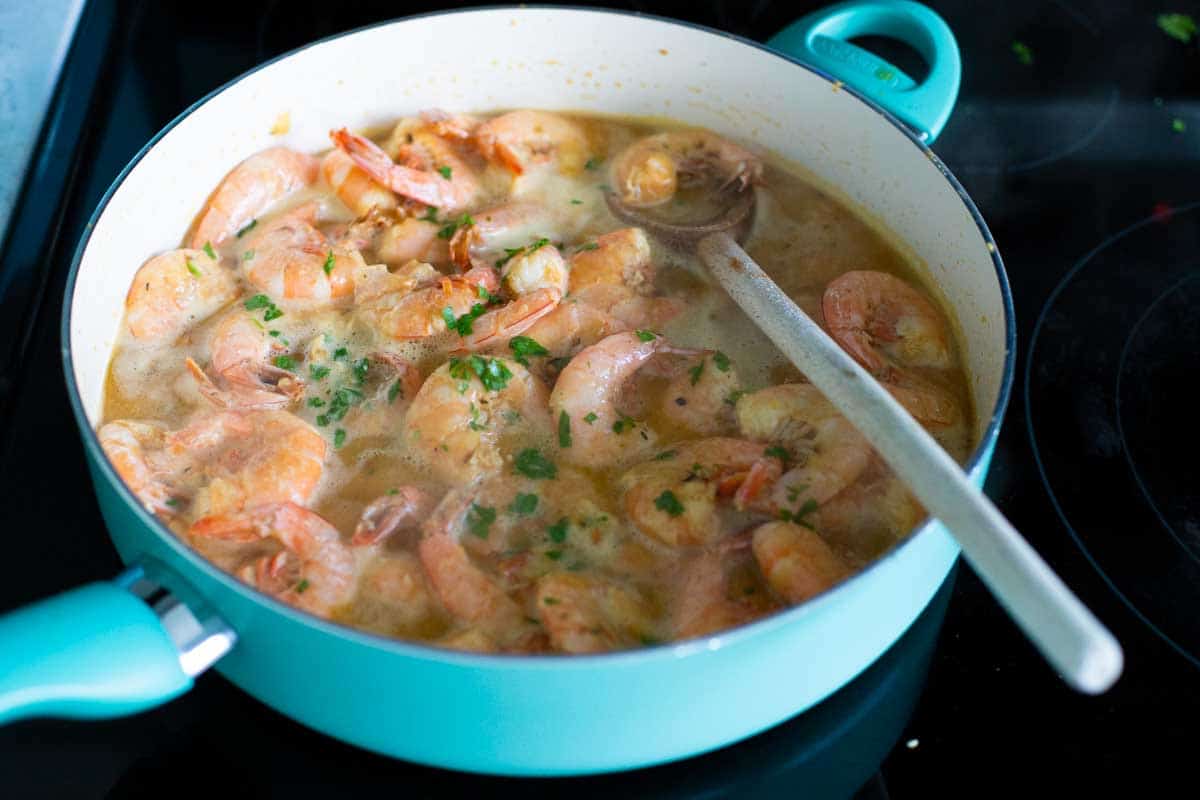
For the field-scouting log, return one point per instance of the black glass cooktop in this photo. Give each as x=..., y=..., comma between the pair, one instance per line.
x=1078, y=135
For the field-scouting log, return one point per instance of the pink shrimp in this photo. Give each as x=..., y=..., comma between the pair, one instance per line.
x=796, y=562
x=591, y=614
x=649, y=171
x=249, y=189
x=135, y=450
x=353, y=186
x=618, y=258
x=314, y=571
x=174, y=291
x=448, y=184
x=520, y=140
x=421, y=312
x=295, y=264
x=245, y=377
x=405, y=508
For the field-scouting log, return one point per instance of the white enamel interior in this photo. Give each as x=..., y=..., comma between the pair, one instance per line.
x=555, y=59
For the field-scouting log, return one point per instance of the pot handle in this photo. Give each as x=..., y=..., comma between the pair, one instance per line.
x=820, y=40
x=104, y=650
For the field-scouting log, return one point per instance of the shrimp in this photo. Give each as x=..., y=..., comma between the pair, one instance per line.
x=590, y=614
x=796, y=562
x=586, y=394
x=701, y=395
x=442, y=180
x=598, y=311
x=421, y=312
x=406, y=508
x=703, y=602
x=466, y=591
x=173, y=291
x=412, y=240
x=650, y=171
x=314, y=571
x=295, y=264
x=249, y=189
x=822, y=451
x=135, y=450
x=675, y=498
x=536, y=278
x=618, y=258
x=885, y=323
x=250, y=458
x=521, y=140
x=353, y=186
x=867, y=518
x=392, y=590
x=456, y=422
x=484, y=238
x=241, y=350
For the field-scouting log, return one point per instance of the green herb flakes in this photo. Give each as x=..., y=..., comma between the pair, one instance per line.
x=393, y=392
x=669, y=503
x=248, y=255
x=591, y=417
x=593, y=163
x=315, y=402
x=554, y=555
x=284, y=362
x=1178, y=125
x=666, y=455
x=430, y=215
x=302, y=586
x=318, y=371
x=623, y=424
x=449, y=229
x=249, y=226
x=524, y=504
x=646, y=336
x=480, y=519
x=721, y=361
x=339, y=438
x=192, y=268
x=465, y=324
x=1023, y=53
x=532, y=464
x=575, y=202
x=1178, y=26
x=558, y=531
x=696, y=372
x=360, y=369
x=564, y=429
x=329, y=262
x=340, y=354
x=445, y=172
x=523, y=347
x=208, y=251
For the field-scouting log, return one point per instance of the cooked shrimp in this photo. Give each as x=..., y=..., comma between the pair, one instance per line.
x=652, y=169
x=703, y=604
x=314, y=571
x=465, y=590
x=865, y=520
x=135, y=450
x=393, y=595
x=590, y=614
x=497, y=233
x=521, y=140
x=598, y=311
x=245, y=378
x=586, y=394
x=249, y=189
x=353, y=186
x=701, y=395
x=676, y=497
x=455, y=423
x=497, y=327
x=471, y=640
x=295, y=264
x=796, y=562
x=618, y=258
x=445, y=181
x=822, y=451
x=412, y=239
x=885, y=323
x=250, y=458
x=173, y=291
x=421, y=312
x=405, y=508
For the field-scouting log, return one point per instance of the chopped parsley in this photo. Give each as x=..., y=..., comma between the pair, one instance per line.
x=480, y=519
x=208, y=251
x=623, y=424
x=246, y=256
x=1023, y=53
x=550, y=601
x=328, y=265
x=592, y=163
x=302, y=585
x=318, y=371
x=666, y=455
x=393, y=392
x=512, y=252
x=553, y=555
x=315, y=402
x=668, y=502
x=322, y=420
x=465, y=324
x=779, y=452
x=576, y=202
x=798, y=515
x=558, y=531
x=532, y=464
x=564, y=429
x=249, y=226
x=647, y=336
x=492, y=372
x=284, y=362
x=261, y=301
x=474, y=423
x=523, y=347
x=173, y=502
x=340, y=354
x=591, y=417
x=721, y=361
x=696, y=372
x=448, y=230
x=339, y=438
x=1178, y=26
x=360, y=369
x=430, y=215
x=734, y=396
x=444, y=171
x=275, y=334
x=524, y=504
x=1178, y=125
x=192, y=268
x=344, y=398
x=485, y=295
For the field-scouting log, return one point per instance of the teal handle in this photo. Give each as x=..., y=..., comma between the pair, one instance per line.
x=92, y=652
x=820, y=40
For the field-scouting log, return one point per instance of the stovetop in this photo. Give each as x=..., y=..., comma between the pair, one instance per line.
x=1078, y=135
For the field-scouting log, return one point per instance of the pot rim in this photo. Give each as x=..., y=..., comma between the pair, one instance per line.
x=677, y=650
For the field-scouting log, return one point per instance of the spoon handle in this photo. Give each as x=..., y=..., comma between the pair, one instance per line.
x=1063, y=629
